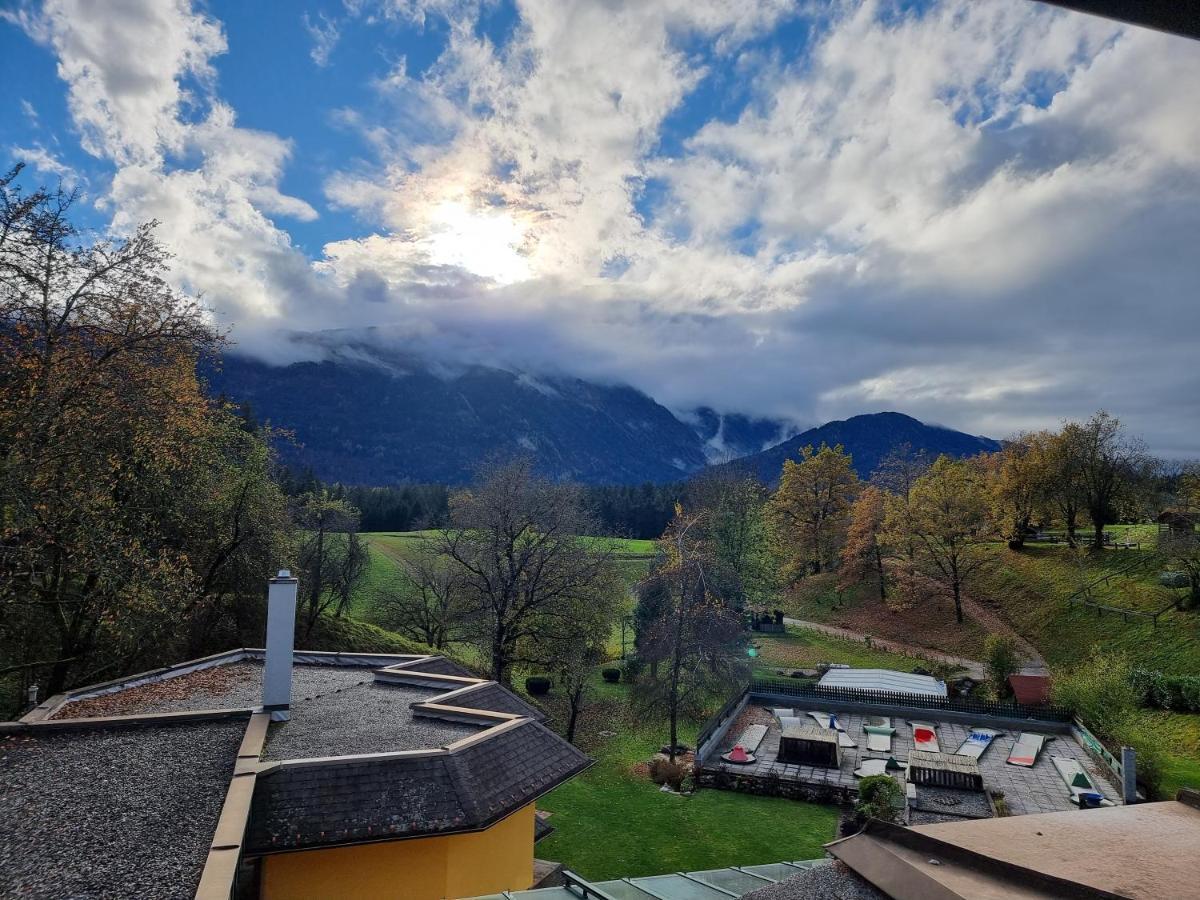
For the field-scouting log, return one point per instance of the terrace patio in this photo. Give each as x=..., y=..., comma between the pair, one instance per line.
x=1026, y=790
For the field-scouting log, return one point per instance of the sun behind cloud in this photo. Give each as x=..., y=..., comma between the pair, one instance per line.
x=485, y=242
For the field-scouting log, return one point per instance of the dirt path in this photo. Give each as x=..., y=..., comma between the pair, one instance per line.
x=973, y=667
x=1035, y=664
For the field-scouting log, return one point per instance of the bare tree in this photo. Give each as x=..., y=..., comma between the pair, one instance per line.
x=427, y=603
x=1110, y=464
x=697, y=636
x=333, y=557
x=528, y=573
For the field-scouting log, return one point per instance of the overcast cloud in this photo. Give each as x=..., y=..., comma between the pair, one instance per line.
x=983, y=213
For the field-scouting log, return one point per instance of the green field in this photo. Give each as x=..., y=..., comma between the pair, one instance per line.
x=802, y=648
x=612, y=822
x=388, y=550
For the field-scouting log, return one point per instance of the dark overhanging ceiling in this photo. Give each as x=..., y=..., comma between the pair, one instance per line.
x=1180, y=17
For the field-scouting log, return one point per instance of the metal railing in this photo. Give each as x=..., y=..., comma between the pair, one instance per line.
x=1004, y=708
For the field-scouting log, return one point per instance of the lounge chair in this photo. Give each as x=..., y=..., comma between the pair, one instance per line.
x=925, y=737
x=1027, y=749
x=878, y=767
x=977, y=742
x=1082, y=789
x=879, y=733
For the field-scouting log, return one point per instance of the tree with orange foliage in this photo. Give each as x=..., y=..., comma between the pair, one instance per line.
x=863, y=553
x=811, y=508
x=131, y=504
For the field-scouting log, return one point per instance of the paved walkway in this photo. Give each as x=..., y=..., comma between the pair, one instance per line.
x=973, y=667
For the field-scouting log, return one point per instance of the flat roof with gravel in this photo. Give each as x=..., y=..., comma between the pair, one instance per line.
x=375, y=746
x=110, y=812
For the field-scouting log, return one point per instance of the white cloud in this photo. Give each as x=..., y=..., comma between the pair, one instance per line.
x=325, y=33
x=983, y=214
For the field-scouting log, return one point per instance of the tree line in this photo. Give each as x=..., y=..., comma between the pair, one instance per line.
x=139, y=517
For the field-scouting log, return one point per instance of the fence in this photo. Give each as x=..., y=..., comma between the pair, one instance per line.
x=1009, y=709
x=732, y=707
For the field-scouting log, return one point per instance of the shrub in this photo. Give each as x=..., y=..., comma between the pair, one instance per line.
x=879, y=797
x=632, y=668
x=1100, y=691
x=663, y=771
x=1001, y=660
x=612, y=675
x=537, y=685
x=1177, y=692
x=1148, y=743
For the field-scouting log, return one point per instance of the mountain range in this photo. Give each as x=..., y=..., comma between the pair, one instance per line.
x=868, y=439
x=361, y=416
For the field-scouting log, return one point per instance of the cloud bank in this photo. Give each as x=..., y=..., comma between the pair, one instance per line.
x=984, y=212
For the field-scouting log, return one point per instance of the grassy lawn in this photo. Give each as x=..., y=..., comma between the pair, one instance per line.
x=1181, y=740
x=611, y=822
x=802, y=648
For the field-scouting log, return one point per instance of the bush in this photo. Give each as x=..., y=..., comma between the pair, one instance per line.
x=1100, y=691
x=1001, y=659
x=1148, y=743
x=631, y=669
x=663, y=771
x=879, y=797
x=612, y=676
x=537, y=685
x=1177, y=692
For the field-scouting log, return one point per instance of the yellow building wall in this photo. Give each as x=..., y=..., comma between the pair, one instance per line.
x=457, y=865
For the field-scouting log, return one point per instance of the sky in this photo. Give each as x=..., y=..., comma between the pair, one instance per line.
x=983, y=213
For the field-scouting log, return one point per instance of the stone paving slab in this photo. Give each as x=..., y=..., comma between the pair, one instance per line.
x=1035, y=790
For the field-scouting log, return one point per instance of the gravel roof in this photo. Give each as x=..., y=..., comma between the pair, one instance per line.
x=113, y=812
x=361, y=718
x=830, y=882
x=227, y=686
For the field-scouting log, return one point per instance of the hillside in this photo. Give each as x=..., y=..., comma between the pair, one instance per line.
x=868, y=439
x=362, y=419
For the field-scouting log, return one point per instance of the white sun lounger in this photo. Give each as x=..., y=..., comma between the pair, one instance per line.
x=829, y=721
x=977, y=742
x=1027, y=749
x=1078, y=781
x=752, y=737
x=925, y=737
x=876, y=767
x=879, y=733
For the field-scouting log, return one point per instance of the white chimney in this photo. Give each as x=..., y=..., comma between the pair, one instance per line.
x=281, y=632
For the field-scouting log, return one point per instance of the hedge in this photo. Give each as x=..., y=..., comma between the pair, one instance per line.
x=1177, y=692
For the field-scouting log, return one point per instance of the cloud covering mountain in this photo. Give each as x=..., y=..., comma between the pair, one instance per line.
x=982, y=211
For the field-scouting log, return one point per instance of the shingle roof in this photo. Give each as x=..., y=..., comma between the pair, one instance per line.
x=465, y=787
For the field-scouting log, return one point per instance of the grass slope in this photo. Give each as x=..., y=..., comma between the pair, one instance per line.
x=1030, y=589
x=612, y=822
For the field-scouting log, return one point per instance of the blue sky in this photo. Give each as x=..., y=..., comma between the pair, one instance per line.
x=980, y=212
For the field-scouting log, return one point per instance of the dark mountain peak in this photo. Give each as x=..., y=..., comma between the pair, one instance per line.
x=868, y=438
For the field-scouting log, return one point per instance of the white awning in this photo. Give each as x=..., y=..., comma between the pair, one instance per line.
x=883, y=680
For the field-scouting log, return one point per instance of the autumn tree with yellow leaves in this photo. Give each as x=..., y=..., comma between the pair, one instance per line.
x=811, y=509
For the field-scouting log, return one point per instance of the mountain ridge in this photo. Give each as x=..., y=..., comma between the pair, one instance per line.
x=370, y=417
x=868, y=438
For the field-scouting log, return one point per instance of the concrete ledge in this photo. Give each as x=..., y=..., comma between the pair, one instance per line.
x=95, y=722
x=431, y=709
